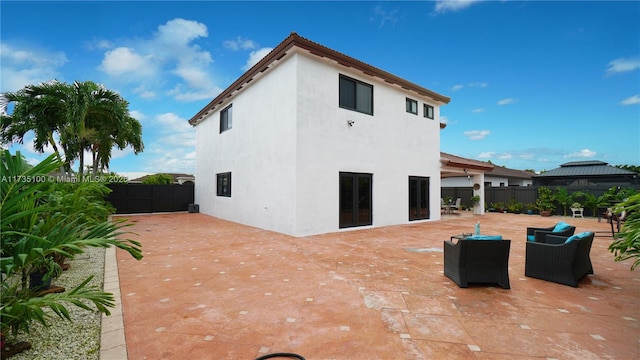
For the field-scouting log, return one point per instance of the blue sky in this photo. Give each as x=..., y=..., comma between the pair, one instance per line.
x=533, y=84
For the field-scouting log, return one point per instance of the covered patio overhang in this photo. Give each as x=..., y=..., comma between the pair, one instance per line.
x=456, y=166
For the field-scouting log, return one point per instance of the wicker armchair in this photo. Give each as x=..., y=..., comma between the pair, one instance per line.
x=538, y=234
x=559, y=261
x=477, y=261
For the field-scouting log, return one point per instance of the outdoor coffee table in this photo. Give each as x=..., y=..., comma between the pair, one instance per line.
x=460, y=237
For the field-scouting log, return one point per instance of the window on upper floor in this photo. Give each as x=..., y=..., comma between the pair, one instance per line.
x=428, y=111
x=226, y=119
x=223, y=186
x=412, y=106
x=355, y=95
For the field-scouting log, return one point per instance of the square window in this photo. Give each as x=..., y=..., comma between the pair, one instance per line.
x=223, y=187
x=412, y=106
x=226, y=119
x=355, y=95
x=428, y=111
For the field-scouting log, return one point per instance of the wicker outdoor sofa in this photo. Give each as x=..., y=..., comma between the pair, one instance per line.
x=558, y=260
x=477, y=261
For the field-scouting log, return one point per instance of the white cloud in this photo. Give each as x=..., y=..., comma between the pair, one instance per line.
x=635, y=99
x=621, y=65
x=177, y=33
x=506, y=101
x=478, y=110
x=169, y=50
x=137, y=115
x=176, y=131
x=584, y=153
x=240, y=43
x=443, y=6
x=255, y=57
x=486, y=155
x=125, y=61
x=25, y=66
x=476, y=134
x=444, y=120
x=477, y=84
x=385, y=16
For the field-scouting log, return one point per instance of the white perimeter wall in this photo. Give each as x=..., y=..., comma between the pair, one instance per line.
x=285, y=155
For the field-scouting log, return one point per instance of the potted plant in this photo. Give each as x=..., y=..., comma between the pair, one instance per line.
x=577, y=209
x=475, y=200
x=545, y=201
x=515, y=206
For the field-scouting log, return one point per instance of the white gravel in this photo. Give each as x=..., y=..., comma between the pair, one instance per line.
x=70, y=340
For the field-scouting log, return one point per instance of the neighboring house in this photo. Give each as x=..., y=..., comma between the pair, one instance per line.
x=312, y=141
x=496, y=177
x=585, y=173
x=177, y=179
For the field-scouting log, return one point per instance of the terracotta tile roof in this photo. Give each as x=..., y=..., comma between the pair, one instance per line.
x=460, y=162
x=283, y=49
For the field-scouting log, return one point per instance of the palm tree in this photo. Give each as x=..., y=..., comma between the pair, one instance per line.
x=84, y=115
x=39, y=108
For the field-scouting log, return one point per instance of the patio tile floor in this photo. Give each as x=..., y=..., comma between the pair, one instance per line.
x=213, y=289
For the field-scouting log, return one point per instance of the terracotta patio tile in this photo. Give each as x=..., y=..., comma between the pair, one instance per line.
x=213, y=289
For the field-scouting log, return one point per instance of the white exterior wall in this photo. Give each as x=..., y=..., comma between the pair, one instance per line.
x=259, y=151
x=290, y=140
x=392, y=145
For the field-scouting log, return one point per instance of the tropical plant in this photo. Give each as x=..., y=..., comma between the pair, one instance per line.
x=83, y=116
x=475, y=199
x=35, y=229
x=158, y=179
x=563, y=197
x=515, y=206
x=545, y=200
x=626, y=244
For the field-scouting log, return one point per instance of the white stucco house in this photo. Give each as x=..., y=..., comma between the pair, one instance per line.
x=310, y=140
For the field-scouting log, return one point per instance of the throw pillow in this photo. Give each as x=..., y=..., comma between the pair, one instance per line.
x=561, y=226
x=582, y=235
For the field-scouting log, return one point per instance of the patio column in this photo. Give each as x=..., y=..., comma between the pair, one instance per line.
x=479, y=179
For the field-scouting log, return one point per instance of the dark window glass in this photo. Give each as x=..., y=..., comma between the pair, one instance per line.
x=355, y=199
x=428, y=111
x=412, y=106
x=226, y=119
x=223, y=187
x=355, y=95
x=418, y=198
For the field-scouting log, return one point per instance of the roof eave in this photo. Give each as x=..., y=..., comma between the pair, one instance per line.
x=294, y=39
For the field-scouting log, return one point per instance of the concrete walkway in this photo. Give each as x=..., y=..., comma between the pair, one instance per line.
x=213, y=289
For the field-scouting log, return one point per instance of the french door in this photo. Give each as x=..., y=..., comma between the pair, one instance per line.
x=355, y=199
x=418, y=198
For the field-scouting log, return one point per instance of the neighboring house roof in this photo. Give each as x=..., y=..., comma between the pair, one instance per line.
x=460, y=162
x=510, y=173
x=585, y=168
x=294, y=41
